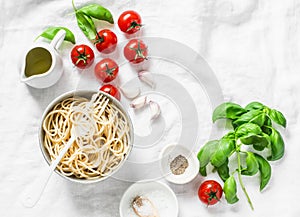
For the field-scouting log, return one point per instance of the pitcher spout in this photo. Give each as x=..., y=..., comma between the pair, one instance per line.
x=42, y=66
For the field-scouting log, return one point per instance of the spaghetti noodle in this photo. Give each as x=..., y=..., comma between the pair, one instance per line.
x=102, y=136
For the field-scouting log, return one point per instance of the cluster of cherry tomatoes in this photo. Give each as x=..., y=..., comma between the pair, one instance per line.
x=106, y=41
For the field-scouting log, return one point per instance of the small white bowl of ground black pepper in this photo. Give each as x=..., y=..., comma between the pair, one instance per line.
x=178, y=164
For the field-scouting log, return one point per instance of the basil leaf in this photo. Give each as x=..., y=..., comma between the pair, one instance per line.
x=262, y=143
x=230, y=136
x=223, y=170
x=52, y=31
x=98, y=12
x=259, y=119
x=205, y=154
x=277, y=146
x=86, y=24
x=223, y=151
x=252, y=165
x=230, y=190
x=268, y=121
x=264, y=169
x=277, y=117
x=259, y=142
x=202, y=171
x=227, y=110
x=253, y=116
x=247, y=129
x=254, y=106
x=265, y=128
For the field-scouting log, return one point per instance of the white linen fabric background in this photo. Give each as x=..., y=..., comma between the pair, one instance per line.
x=253, y=47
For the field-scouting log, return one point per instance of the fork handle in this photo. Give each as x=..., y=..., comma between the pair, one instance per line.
x=33, y=193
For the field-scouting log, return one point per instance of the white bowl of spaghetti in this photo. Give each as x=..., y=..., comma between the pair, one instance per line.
x=93, y=156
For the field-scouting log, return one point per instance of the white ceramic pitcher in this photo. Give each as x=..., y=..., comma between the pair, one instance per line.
x=42, y=66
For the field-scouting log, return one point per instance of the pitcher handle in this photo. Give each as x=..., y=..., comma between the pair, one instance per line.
x=58, y=39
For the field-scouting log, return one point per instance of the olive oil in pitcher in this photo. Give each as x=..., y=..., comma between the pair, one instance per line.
x=38, y=61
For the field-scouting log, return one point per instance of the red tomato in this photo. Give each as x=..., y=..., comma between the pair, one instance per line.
x=135, y=51
x=129, y=22
x=106, y=70
x=106, y=41
x=82, y=56
x=210, y=192
x=111, y=90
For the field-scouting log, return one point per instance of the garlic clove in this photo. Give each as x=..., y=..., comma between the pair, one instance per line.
x=154, y=109
x=130, y=92
x=146, y=77
x=139, y=102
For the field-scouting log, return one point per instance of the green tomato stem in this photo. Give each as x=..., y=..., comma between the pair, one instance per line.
x=241, y=181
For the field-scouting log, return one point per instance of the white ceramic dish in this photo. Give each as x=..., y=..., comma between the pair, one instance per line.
x=87, y=94
x=168, y=154
x=161, y=195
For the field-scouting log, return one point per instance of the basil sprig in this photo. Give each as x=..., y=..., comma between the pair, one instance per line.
x=53, y=30
x=254, y=131
x=98, y=12
x=85, y=15
x=86, y=25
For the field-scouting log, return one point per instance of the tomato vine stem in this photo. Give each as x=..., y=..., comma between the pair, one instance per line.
x=240, y=179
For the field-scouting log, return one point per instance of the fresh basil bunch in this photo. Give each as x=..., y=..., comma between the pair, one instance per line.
x=252, y=126
x=84, y=17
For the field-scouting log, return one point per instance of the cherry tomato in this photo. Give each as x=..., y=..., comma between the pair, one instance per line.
x=111, y=90
x=135, y=51
x=210, y=192
x=106, y=41
x=82, y=56
x=106, y=70
x=129, y=22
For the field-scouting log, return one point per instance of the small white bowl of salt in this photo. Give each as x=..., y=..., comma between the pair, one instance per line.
x=149, y=199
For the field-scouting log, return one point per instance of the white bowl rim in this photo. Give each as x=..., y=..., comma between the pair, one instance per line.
x=192, y=157
x=149, y=181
